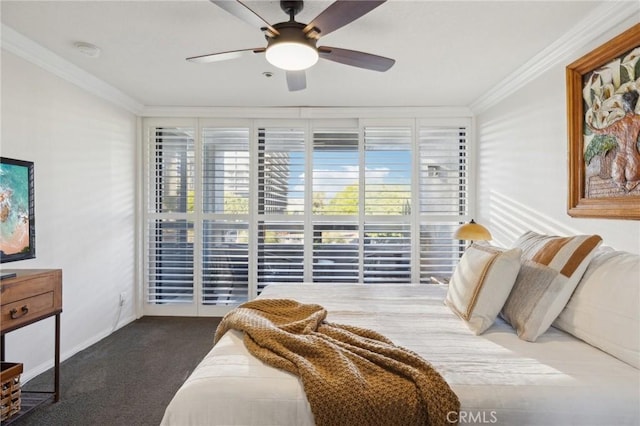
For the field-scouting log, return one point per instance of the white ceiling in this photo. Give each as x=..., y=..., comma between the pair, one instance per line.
x=448, y=53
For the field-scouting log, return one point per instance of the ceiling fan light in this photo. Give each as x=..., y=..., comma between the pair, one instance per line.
x=291, y=56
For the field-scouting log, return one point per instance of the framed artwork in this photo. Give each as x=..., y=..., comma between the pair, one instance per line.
x=603, y=119
x=17, y=218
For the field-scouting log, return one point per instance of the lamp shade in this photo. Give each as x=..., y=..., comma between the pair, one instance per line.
x=291, y=50
x=291, y=55
x=472, y=231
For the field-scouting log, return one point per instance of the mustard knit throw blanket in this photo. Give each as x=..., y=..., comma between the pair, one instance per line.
x=351, y=376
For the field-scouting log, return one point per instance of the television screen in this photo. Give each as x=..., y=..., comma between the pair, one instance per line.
x=17, y=220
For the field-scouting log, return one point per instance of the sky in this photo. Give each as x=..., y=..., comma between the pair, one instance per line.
x=333, y=170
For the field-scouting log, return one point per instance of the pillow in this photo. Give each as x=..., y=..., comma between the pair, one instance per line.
x=481, y=283
x=550, y=271
x=604, y=311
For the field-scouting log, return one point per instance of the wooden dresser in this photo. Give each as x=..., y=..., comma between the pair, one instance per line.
x=32, y=295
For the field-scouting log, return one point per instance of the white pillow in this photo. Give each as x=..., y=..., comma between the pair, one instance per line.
x=481, y=283
x=550, y=271
x=604, y=311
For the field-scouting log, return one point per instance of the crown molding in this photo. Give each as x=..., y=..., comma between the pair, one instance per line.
x=306, y=112
x=27, y=49
x=601, y=20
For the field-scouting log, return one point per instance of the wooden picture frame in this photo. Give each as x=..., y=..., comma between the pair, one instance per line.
x=603, y=180
x=17, y=214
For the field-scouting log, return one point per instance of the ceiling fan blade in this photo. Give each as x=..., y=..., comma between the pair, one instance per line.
x=356, y=59
x=242, y=11
x=224, y=56
x=296, y=80
x=341, y=13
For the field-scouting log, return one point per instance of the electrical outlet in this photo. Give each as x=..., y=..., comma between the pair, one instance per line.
x=123, y=298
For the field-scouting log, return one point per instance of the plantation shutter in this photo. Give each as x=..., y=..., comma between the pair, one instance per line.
x=387, y=198
x=225, y=202
x=335, y=172
x=444, y=195
x=280, y=252
x=170, y=225
x=387, y=253
x=237, y=205
x=281, y=170
x=335, y=232
x=225, y=266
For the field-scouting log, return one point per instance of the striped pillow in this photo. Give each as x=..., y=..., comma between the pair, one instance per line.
x=481, y=283
x=550, y=271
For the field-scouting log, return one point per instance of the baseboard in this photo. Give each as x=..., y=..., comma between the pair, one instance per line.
x=64, y=355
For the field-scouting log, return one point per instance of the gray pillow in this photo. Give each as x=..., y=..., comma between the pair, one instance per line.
x=550, y=271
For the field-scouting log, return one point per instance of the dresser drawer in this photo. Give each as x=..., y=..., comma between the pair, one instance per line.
x=18, y=289
x=27, y=310
x=29, y=296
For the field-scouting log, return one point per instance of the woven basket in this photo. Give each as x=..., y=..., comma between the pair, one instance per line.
x=9, y=389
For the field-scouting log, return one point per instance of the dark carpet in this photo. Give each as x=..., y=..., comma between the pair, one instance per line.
x=128, y=378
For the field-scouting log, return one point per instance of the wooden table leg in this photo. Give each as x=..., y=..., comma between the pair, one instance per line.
x=56, y=397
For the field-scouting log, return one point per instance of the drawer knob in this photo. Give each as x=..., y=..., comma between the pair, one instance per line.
x=23, y=311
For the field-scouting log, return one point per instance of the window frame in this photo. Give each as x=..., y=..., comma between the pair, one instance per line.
x=308, y=125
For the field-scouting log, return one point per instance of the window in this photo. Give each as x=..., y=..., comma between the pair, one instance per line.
x=281, y=208
x=336, y=200
x=170, y=223
x=234, y=208
x=444, y=197
x=225, y=216
x=387, y=200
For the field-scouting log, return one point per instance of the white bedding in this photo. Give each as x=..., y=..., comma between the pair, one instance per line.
x=500, y=379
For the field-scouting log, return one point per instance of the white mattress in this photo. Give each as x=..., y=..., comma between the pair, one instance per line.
x=500, y=379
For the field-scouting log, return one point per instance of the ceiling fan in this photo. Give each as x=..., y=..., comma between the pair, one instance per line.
x=292, y=46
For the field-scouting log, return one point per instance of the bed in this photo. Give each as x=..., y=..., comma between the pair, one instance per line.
x=499, y=378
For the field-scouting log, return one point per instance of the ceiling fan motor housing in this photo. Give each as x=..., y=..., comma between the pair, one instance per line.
x=291, y=32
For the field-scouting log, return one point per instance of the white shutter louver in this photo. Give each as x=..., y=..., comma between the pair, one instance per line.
x=443, y=198
x=439, y=253
x=170, y=261
x=281, y=168
x=225, y=271
x=387, y=253
x=171, y=176
x=335, y=253
x=169, y=229
x=335, y=193
x=387, y=245
x=225, y=204
x=280, y=253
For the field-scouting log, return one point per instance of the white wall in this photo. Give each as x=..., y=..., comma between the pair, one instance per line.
x=85, y=161
x=522, y=168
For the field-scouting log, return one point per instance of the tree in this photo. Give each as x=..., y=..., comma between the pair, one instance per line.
x=344, y=202
x=233, y=204
x=380, y=200
x=387, y=200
